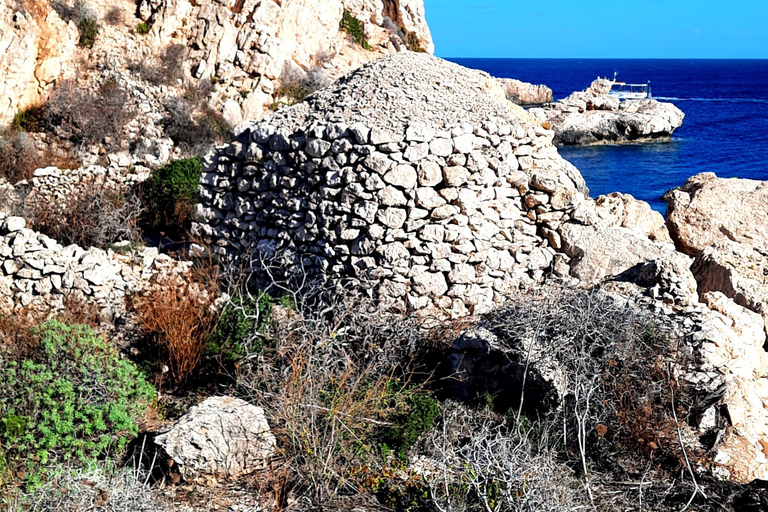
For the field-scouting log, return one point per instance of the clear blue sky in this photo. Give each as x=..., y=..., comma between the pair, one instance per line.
x=600, y=28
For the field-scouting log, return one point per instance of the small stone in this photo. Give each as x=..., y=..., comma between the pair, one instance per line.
x=429, y=174
x=441, y=147
x=13, y=224
x=403, y=176
x=429, y=283
x=317, y=147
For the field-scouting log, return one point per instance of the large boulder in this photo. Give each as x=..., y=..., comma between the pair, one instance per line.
x=221, y=436
x=594, y=117
x=707, y=210
x=723, y=223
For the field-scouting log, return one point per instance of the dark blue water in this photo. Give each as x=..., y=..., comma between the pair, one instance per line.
x=725, y=130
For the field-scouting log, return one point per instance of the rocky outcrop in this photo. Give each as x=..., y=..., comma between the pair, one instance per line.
x=36, y=49
x=722, y=223
x=222, y=436
x=709, y=210
x=253, y=53
x=594, y=117
x=523, y=93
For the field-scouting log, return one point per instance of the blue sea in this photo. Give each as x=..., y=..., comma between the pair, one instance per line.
x=725, y=130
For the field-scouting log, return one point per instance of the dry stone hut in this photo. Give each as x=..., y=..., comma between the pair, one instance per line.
x=411, y=175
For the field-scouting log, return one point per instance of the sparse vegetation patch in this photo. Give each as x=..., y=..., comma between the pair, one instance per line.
x=354, y=28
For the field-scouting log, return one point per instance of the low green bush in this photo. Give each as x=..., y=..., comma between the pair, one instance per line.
x=353, y=27
x=142, y=28
x=31, y=119
x=173, y=192
x=420, y=411
x=88, y=26
x=241, y=326
x=75, y=398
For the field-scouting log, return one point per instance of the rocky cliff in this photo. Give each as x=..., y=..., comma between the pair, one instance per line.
x=252, y=51
x=36, y=49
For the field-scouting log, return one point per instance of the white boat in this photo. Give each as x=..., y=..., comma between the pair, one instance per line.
x=625, y=91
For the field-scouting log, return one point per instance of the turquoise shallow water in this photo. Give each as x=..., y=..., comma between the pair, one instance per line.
x=725, y=129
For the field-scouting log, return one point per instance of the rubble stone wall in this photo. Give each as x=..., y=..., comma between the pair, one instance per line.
x=38, y=273
x=441, y=220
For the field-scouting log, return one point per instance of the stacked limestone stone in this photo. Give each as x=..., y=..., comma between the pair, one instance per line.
x=446, y=204
x=37, y=273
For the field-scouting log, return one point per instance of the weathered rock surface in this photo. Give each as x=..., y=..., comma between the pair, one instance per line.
x=709, y=210
x=36, y=49
x=222, y=436
x=261, y=47
x=523, y=93
x=593, y=117
x=723, y=224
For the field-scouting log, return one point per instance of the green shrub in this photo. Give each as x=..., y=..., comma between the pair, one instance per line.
x=354, y=28
x=74, y=399
x=142, y=28
x=240, y=326
x=88, y=27
x=173, y=192
x=420, y=413
x=31, y=119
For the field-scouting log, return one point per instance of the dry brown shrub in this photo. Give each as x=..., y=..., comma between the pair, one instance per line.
x=92, y=216
x=87, y=117
x=177, y=315
x=19, y=157
x=115, y=16
x=79, y=311
x=18, y=339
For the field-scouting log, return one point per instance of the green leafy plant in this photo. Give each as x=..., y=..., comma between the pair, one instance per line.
x=417, y=415
x=173, y=192
x=142, y=28
x=88, y=27
x=74, y=399
x=354, y=28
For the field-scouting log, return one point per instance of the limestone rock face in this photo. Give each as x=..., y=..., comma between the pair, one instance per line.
x=723, y=224
x=708, y=210
x=254, y=49
x=593, y=117
x=36, y=48
x=222, y=436
x=523, y=93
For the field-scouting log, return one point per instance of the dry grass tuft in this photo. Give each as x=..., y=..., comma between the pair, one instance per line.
x=178, y=315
